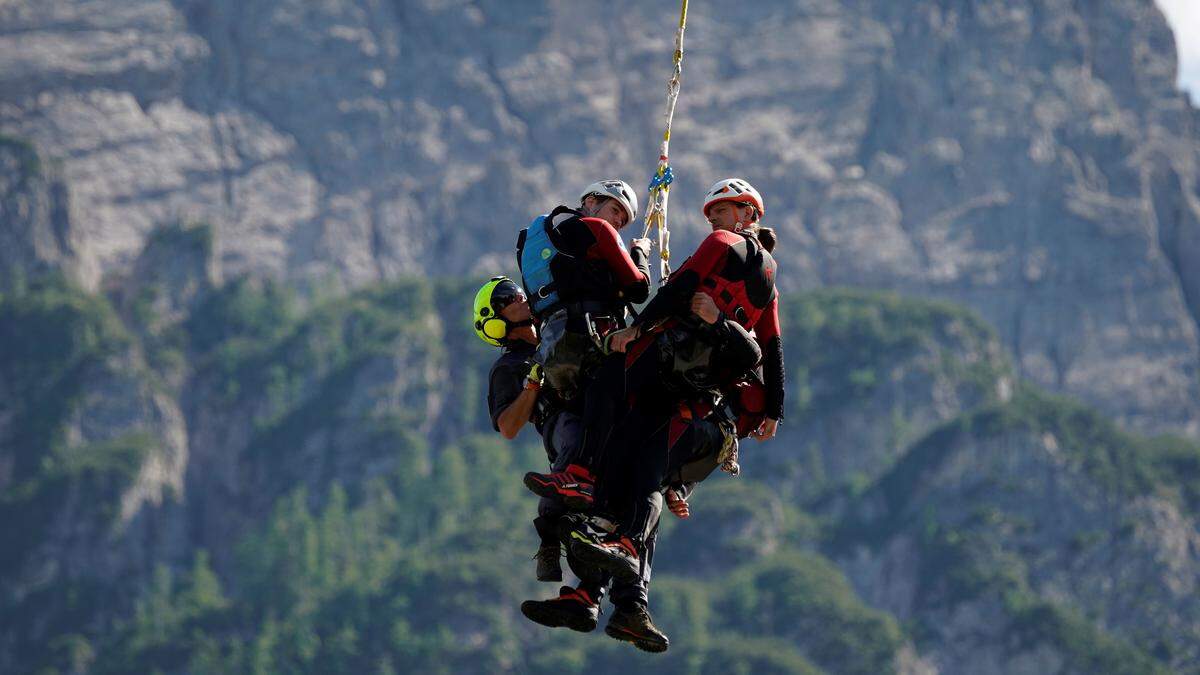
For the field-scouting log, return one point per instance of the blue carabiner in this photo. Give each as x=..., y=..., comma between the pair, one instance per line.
x=657, y=181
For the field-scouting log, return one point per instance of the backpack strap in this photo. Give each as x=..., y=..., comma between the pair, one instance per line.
x=521, y=248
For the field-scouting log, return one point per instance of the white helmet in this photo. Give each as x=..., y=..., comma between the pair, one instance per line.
x=618, y=190
x=733, y=190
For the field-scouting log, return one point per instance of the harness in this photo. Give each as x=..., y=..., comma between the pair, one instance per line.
x=565, y=300
x=745, y=285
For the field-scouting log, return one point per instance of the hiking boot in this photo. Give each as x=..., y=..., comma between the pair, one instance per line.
x=588, y=527
x=573, y=608
x=615, y=554
x=573, y=486
x=635, y=625
x=548, y=566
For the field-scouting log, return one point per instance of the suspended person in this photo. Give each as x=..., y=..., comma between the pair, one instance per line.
x=580, y=277
x=501, y=317
x=692, y=437
x=733, y=266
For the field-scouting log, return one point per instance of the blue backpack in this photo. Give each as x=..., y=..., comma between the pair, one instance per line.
x=535, y=251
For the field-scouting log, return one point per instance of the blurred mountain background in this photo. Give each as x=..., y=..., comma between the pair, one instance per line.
x=242, y=416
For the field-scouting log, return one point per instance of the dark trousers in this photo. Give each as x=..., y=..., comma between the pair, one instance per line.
x=565, y=431
x=648, y=452
x=644, y=438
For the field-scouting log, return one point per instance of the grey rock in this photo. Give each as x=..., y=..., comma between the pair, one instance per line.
x=1030, y=159
x=35, y=233
x=978, y=515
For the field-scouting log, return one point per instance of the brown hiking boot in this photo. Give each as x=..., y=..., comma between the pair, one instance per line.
x=635, y=625
x=548, y=566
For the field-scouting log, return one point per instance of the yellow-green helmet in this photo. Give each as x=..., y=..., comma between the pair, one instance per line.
x=491, y=299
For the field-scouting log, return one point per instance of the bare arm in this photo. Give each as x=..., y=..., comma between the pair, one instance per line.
x=517, y=414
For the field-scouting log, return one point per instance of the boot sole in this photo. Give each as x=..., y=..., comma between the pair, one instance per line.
x=574, y=500
x=643, y=643
x=539, y=613
x=589, y=553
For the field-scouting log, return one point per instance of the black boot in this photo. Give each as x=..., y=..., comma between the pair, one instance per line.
x=548, y=566
x=633, y=624
x=573, y=608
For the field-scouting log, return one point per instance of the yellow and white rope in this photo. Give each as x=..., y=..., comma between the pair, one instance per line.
x=660, y=185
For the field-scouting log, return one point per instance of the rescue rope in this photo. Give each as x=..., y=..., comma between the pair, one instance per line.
x=660, y=183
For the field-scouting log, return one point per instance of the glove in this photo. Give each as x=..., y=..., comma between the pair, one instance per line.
x=535, y=374
x=639, y=252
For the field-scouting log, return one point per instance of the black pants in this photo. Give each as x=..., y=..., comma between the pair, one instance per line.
x=619, y=377
x=643, y=439
x=646, y=453
x=565, y=431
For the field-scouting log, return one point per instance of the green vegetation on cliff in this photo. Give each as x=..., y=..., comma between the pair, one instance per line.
x=55, y=340
x=848, y=340
x=1007, y=504
x=1118, y=462
x=379, y=525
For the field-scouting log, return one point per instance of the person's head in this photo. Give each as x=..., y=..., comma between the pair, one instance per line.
x=733, y=204
x=502, y=313
x=612, y=200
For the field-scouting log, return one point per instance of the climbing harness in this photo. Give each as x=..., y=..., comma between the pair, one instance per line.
x=660, y=183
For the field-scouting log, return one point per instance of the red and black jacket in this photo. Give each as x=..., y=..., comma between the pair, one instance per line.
x=739, y=275
x=593, y=266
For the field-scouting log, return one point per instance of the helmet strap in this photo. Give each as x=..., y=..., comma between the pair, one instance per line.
x=514, y=325
x=597, y=201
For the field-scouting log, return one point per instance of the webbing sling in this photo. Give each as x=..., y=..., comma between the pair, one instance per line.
x=660, y=184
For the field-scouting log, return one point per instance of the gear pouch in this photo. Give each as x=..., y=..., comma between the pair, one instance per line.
x=564, y=355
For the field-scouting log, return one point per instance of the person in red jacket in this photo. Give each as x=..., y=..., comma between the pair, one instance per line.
x=580, y=277
x=733, y=267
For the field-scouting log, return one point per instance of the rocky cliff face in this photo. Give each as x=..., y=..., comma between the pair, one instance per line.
x=216, y=175
x=904, y=367
x=988, y=529
x=1029, y=159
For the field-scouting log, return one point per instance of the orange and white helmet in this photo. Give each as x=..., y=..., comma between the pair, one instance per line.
x=618, y=190
x=733, y=190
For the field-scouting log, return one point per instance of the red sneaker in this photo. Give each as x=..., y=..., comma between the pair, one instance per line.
x=573, y=486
